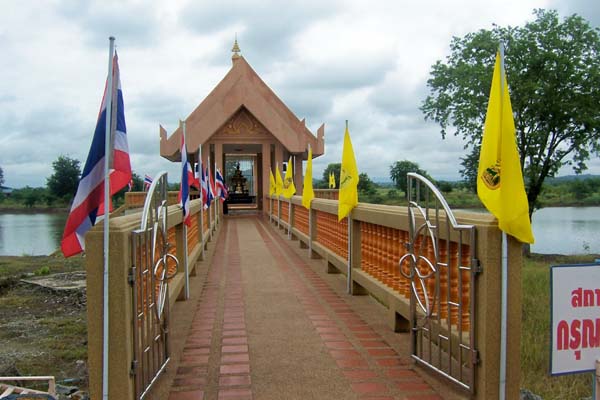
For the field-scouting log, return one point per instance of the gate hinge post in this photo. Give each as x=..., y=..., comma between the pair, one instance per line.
x=477, y=268
x=133, y=370
x=475, y=357
x=131, y=276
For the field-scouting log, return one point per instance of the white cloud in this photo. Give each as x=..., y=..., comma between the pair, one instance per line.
x=328, y=61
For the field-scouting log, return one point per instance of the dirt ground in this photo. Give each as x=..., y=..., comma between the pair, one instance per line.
x=42, y=331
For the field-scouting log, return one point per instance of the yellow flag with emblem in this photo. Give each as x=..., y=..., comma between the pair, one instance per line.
x=331, y=180
x=308, y=194
x=348, y=194
x=278, y=182
x=499, y=178
x=271, y=183
x=289, y=189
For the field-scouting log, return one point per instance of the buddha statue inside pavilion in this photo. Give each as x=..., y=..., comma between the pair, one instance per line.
x=238, y=181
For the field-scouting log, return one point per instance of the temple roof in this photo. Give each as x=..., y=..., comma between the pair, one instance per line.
x=242, y=88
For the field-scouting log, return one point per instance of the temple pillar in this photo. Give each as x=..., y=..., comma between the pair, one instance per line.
x=266, y=167
x=219, y=156
x=298, y=181
x=279, y=158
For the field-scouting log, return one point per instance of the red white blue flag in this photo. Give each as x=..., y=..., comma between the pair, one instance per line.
x=147, y=182
x=210, y=195
x=221, y=188
x=203, y=185
x=184, y=187
x=90, y=192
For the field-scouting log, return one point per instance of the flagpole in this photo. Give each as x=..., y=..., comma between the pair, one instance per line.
x=107, y=140
x=349, y=273
x=185, y=240
x=216, y=197
x=201, y=229
x=293, y=161
x=208, y=190
x=278, y=196
x=504, y=293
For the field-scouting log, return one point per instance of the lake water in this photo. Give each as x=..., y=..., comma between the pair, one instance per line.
x=30, y=234
x=557, y=230
x=566, y=230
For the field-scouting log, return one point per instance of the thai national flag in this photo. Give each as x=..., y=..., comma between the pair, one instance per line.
x=90, y=192
x=210, y=196
x=221, y=188
x=203, y=185
x=147, y=182
x=184, y=187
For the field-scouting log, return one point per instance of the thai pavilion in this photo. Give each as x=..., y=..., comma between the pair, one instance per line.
x=247, y=130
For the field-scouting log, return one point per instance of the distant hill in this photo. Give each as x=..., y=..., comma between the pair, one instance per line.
x=570, y=178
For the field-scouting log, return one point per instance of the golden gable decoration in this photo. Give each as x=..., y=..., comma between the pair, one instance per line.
x=243, y=123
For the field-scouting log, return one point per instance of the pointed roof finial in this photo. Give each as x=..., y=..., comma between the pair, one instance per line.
x=235, y=49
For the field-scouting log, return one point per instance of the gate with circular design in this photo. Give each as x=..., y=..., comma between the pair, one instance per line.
x=152, y=268
x=441, y=267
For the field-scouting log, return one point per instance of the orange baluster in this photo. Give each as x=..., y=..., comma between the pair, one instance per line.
x=466, y=283
x=443, y=273
x=396, y=280
x=454, y=281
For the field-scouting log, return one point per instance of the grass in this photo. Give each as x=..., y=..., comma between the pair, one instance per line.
x=43, y=332
x=535, y=335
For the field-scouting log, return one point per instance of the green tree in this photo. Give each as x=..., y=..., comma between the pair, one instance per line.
x=366, y=185
x=1, y=176
x=400, y=169
x=138, y=183
x=63, y=182
x=335, y=168
x=553, y=71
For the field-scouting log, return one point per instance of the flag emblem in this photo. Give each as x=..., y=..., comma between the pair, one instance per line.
x=491, y=176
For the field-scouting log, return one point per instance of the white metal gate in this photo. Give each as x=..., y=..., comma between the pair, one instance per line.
x=442, y=269
x=149, y=279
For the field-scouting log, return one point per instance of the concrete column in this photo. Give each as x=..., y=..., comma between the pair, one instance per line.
x=298, y=177
x=219, y=156
x=120, y=382
x=266, y=167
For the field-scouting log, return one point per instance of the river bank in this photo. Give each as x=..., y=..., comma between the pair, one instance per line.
x=33, y=210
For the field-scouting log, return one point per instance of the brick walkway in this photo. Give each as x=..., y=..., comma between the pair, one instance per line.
x=270, y=324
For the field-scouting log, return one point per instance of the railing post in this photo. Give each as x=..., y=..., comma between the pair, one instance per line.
x=120, y=382
x=278, y=211
x=290, y=219
x=487, y=321
x=181, y=254
x=354, y=252
x=200, y=232
x=312, y=232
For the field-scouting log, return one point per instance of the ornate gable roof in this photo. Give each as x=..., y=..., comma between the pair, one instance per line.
x=242, y=88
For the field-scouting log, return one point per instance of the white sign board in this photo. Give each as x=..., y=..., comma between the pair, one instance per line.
x=575, y=312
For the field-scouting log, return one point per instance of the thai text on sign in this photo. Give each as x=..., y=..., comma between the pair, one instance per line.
x=575, y=309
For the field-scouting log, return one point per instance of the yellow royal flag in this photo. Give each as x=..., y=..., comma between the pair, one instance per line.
x=289, y=189
x=348, y=194
x=278, y=182
x=499, y=178
x=307, y=192
x=331, y=180
x=271, y=183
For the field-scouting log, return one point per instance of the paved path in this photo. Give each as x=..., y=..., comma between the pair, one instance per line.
x=270, y=324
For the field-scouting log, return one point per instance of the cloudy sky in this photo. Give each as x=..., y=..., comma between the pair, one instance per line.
x=366, y=61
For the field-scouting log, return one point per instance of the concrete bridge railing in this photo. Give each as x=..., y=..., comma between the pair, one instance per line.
x=379, y=235
x=121, y=380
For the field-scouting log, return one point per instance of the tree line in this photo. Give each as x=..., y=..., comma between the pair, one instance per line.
x=60, y=188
